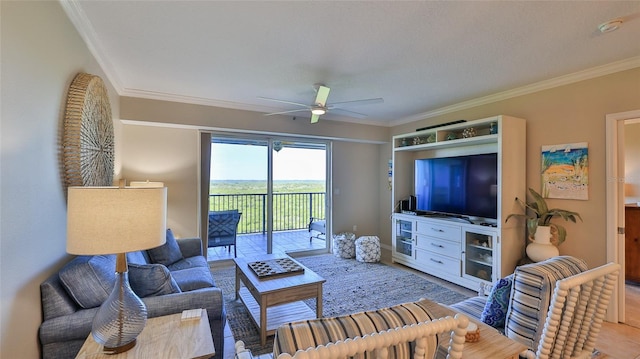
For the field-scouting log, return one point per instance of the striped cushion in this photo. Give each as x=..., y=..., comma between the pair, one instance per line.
x=472, y=307
x=302, y=335
x=533, y=286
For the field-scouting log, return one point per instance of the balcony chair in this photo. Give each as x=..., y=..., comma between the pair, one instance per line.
x=223, y=227
x=317, y=225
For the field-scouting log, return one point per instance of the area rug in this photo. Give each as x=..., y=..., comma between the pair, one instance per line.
x=351, y=287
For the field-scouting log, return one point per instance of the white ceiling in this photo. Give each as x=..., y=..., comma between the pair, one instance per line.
x=420, y=57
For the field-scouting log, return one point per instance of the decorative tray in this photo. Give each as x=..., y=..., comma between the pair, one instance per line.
x=275, y=267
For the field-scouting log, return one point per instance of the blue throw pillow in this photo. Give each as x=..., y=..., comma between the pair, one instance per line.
x=149, y=280
x=167, y=253
x=495, y=310
x=89, y=279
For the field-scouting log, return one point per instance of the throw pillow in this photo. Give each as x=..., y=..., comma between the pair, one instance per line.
x=495, y=310
x=89, y=279
x=167, y=253
x=150, y=280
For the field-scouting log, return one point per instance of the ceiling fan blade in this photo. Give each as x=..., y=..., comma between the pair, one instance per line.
x=314, y=118
x=284, y=112
x=368, y=101
x=321, y=97
x=283, y=101
x=349, y=113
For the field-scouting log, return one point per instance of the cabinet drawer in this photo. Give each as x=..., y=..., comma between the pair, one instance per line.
x=439, y=246
x=431, y=260
x=437, y=230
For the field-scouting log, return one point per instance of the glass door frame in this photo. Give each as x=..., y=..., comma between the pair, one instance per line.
x=271, y=140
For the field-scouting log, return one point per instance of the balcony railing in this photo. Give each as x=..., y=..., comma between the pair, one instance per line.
x=291, y=211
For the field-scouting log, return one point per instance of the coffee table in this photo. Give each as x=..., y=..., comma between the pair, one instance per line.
x=277, y=300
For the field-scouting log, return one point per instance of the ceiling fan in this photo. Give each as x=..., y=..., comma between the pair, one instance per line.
x=319, y=106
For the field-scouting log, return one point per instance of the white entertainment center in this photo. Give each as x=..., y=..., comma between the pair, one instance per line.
x=464, y=250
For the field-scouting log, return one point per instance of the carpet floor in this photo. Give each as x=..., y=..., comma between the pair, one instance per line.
x=351, y=287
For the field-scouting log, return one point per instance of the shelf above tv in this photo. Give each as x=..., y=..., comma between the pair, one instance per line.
x=462, y=134
x=478, y=140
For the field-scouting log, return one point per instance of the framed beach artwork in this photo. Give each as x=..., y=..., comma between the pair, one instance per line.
x=565, y=171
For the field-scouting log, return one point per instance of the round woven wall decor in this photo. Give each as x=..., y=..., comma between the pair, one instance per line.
x=87, y=143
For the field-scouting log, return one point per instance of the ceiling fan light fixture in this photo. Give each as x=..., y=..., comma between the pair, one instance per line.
x=610, y=26
x=318, y=111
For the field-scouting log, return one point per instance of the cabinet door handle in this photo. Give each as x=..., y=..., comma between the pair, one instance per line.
x=435, y=260
x=436, y=229
x=437, y=245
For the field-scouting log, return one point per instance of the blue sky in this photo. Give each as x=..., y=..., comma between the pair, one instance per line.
x=247, y=162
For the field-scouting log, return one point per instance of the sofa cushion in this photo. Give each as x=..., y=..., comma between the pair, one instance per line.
x=310, y=333
x=168, y=253
x=533, y=286
x=189, y=262
x=138, y=257
x=148, y=280
x=89, y=279
x=495, y=310
x=193, y=278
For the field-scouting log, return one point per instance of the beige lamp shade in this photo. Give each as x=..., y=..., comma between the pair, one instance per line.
x=146, y=184
x=108, y=220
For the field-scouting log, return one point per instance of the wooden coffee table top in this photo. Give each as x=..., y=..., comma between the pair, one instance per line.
x=270, y=284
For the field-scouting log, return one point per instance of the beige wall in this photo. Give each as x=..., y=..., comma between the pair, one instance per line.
x=632, y=162
x=567, y=114
x=226, y=119
x=167, y=155
x=41, y=53
x=171, y=155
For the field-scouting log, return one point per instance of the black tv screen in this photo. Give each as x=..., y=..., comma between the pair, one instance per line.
x=462, y=185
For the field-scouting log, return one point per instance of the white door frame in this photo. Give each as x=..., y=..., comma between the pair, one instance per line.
x=615, y=205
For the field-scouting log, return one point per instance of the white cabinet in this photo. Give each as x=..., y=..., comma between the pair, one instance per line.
x=403, y=238
x=462, y=251
x=480, y=250
x=438, y=247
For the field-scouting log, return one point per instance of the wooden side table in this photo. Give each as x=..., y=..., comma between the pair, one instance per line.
x=163, y=337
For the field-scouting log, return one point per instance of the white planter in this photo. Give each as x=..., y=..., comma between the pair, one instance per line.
x=541, y=248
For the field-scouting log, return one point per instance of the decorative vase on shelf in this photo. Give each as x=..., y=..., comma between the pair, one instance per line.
x=541, y=248
x=469, y=132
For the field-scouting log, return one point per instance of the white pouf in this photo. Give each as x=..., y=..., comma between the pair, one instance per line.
x=344, y=245
x=368, y=249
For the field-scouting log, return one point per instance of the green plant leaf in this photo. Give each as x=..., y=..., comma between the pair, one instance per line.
x=542, y=215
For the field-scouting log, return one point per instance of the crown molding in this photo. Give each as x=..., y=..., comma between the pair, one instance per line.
x=163, y=96
x=230, y=130
x=171, y=97
x=587, y=74
x=79, y=19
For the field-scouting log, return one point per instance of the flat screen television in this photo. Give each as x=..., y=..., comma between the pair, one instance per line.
x=460, y=186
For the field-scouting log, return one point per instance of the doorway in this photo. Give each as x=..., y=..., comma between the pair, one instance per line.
x=615, y=124
x=278, y=184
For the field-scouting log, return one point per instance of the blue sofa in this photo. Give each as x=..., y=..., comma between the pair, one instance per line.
x=169, y=279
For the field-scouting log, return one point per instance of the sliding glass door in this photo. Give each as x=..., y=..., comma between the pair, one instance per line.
x=279, y=185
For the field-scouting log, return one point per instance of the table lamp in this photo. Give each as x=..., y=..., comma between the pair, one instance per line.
x=116, y=220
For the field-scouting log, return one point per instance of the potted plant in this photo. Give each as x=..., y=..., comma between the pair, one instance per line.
x=541, y=231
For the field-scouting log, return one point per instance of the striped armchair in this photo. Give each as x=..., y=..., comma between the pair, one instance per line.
x=555, y=307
